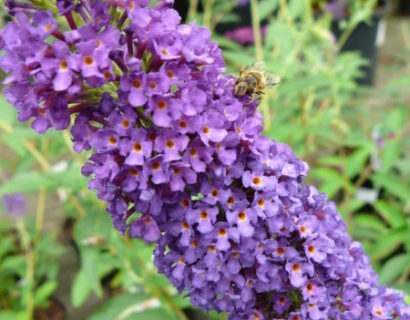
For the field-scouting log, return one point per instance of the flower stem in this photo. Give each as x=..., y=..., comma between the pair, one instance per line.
x=25, y=241
x=40, y=212
x=208, y=14
x=256, y=27
x=193, y=7
x=257, y=34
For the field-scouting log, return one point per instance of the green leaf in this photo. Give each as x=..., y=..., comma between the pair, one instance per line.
x=330, y=161
x=392, y=185
x=34, y=181
x=332, y=180
x=396, y=120
x=96, y=224
x=7, y=111
x=80, y=289
x=43, y=293
x=371, y=222
x=16, y=264
x=387, y=244
x=391, y=152
x=394, y=267
x=89, y=263
x=356, y=161
x=134, y=306
x=13, y=315
x=390, y=213
x=266, y=8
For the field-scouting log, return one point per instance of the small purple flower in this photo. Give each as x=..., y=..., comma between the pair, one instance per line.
x=204, y=217
x=146, y=228
x=137, y=148
x=15, y=204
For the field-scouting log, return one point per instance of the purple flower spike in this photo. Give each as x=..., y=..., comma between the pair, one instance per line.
x=234, y=226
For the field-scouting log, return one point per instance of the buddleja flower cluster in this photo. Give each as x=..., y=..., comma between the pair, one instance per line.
x=182, y=163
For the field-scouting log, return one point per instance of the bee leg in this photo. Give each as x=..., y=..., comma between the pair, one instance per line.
x=260, y=92
x=229, y=81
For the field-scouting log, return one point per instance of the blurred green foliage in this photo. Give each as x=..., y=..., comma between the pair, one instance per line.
x=358, y=154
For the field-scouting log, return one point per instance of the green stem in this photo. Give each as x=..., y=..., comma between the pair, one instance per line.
x=257, y=34
x=41, y=205
x=25, y=240
x=193, y=7
x=256, y=27
x=208, y=5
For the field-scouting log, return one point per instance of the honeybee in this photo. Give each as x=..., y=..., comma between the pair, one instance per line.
x=254, y=81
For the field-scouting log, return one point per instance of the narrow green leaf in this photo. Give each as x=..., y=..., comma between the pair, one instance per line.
x=266, y=8
x=44, y=292
x=356, y=161
x=80, y=289
x=390, y=213
x=371, y=222
x=394, y=267
x=393, y=185
x=135, y=306
x=391, y=152
x=387, y=244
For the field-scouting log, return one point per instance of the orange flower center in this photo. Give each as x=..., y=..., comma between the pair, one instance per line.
x=222, y=232
x=107, y=74
x=242, y=216
x=48, y=27
x=170, y=74
x=88, y=61
x=231, y=201
x=137, y=147
x=194, y=152
x=152, y=136
x=63, y=65
x=256, y=181
x=203, y=214
x=185, y=203
x=125, y=124
x=296, y=267
x=112, y=140
x=205, y=130
x=156, y=165
x=170, y=144
x=183, y=124
x=161, y=105
x=137, y=83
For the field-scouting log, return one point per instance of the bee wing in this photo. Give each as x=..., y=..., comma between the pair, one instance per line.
x=259, y=66
x=271, y=79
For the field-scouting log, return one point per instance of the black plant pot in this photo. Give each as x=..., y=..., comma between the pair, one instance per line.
x=364, y=39
x=405, y=7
